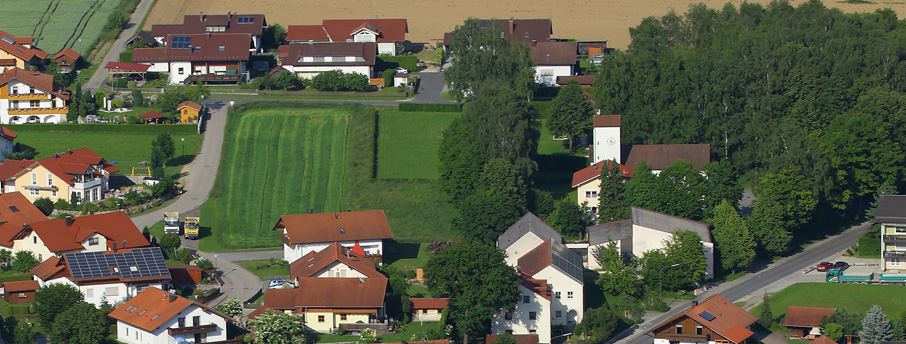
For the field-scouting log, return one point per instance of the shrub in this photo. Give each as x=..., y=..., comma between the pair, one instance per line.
x=412, y=107
x=388, y=75
x=61, y=204
x=121, y=83
x=45, y=205
x=24, y=261
x=409, y=62
x=338, y=81
x=118, y=103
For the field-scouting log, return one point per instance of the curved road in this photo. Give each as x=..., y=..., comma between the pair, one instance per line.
x=131, y=28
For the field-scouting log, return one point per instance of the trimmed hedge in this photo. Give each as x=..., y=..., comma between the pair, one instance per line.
x=412, y=107
x=409, y=62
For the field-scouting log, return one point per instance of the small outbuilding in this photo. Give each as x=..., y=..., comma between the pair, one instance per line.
x=428, y=308
x=805, y=322
x=20, y=291
x=67, y=59
x=153, y=117
x=189, y=111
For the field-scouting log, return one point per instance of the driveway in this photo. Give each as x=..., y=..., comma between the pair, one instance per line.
x=119, y=45
x=431, y=88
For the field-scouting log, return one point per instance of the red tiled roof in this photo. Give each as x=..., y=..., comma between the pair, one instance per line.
x=554, y=53
x=204, y=47
x=41, y=81
x=59, y=237
x=520, y=338
x=659, y=157
x=153, y=308
x=313, y=262
x=305, y=33
x=196, y=24
x=20, y=286
x=429, y=302
x=10, y=168
x=18, y=49
x=78, y=161
x=606, y=121
x=13, y=221
x=538, y=286
x=335, y=226
x=805, y=316
x=126, y=67
x=730, y=320
x=536, y=260
x=7, y=134
x=17, y=40
x=189, y=104
x=292, y=54
x=48, y=268
x=68, y=53
x=315, y=292
x=151, y=115
x=390, y=30
x=594, y=172
x=823, y=340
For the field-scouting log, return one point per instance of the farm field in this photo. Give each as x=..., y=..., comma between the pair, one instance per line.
x=127, y=145
x=57, y=24
x=891, y=298
x=408, y=143
x=428, y=20
x=277, y=160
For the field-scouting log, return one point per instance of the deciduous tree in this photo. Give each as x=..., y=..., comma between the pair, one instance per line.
x=735, y=244
x=481, y=54
x=616, y=277
x=571, y=114
x=597, y=325
x=52, y=300
x=82, y=323
x=486, y=214
x=277, y=328
x=569, y=218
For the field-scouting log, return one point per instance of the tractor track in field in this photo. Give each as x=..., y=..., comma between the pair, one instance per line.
x=83, y=23
x=45, y=18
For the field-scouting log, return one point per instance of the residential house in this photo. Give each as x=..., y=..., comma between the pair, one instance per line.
x=648, y=230
x=553, y=60
x=7, y=146
x=336, y=289
x=20, y=291
x=251, y=26
x=199, y=58
x=540, y=255
x=16, y=212
x=67, y=60
x=891, y=215
x=805, y=322
x=308, y=60
x=91, y=233
x=387, y=33
x=520, y=338
x=587, y=181
x=715, y=320
x=155, y=316
x=79, y=175
x=182, y=276
x=106, y=276
x=31, y=97
x=518, y=30
x=307, y=233
x=189, y=111
x=18, y=52
x=428, y=308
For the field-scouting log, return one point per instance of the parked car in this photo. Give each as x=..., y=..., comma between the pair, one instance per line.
x=824, y=266
x=841, y=265
x=277, y=283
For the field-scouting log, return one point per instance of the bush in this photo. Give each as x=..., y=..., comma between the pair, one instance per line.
x=388, y=75
x=338, y=81
x=138, y=99
x=45, y=205
x=118, y=103
x=126, y=56
x=121, y=83
x=409, y=62
x=412, y=107
x=61, y=204
x=24, y=261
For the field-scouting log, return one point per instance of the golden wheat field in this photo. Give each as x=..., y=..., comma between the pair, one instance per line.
x=429, y=19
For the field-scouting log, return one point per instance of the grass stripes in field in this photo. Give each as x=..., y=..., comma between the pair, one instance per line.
x=408, y=143
x=275, y=161
x=57, y=24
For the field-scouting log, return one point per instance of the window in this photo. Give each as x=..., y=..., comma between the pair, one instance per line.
x=699, y=330
x=92, y=241
x=127, y=331
x=569, y=295
x=34, y=239
x=112, y=291
x=532, y=331
x=181, y=322
x=679, y=329
x=424, y=311
x=532, y=315
x=21, y=295
x=245, y=19
x=320, y=318
x=181, y=71
x=53, y=193
x=196, y=320
x=34, y=103
x=525, y=299
x=220, y=48
x=49, y=179
x=591, y=194
x=33, y=192
x=507, y=316
x=895, y=261
x=558, y=314
x=557, y=294
x=89, y=293
x=15, y=89
x=34, y=178
x=342, y=316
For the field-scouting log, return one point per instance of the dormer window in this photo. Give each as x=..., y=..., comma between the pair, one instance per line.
x=14, y=90
x=93, y=241
x=245, y=20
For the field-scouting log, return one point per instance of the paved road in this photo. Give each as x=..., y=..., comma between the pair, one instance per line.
x=754, y=283
x=119, y=45
x=431, y=88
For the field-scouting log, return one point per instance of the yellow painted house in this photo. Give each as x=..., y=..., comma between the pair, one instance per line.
x=79, y=173
x=189, y=111
x=18, y=52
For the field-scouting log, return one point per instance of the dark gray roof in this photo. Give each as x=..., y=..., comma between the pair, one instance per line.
x=146, y=263
x=567, y=260
x=611, y=231
x=891, y=209
x=668, y=223
x=527, y=223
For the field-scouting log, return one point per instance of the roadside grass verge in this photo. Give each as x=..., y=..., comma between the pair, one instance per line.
x=266, y=269
x=408, y=143
x=857, y=298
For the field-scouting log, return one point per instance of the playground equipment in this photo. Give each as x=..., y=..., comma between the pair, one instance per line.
x=191, y=227
x=171, y=222
x=836, y=275
x=145, y=169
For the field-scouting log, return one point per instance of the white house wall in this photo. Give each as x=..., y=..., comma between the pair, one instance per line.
x=308, y=72
x=571, y=308
x=519, y=322
x=526, y=243
x=338, y=269
x=129, y=334
x=386, y=48
x=294, y=252
x=603, y=149
x=547, y=75
x=175, y=76
x=646, y=239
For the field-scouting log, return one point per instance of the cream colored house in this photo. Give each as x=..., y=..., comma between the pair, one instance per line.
x=587, y=181
x=428, y=308
x=891, y=215
x=18, y=52
x=92, y=233
x=79, y=174
x=31, y=97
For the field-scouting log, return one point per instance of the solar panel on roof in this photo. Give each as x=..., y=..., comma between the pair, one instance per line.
x=181, y=42
x=707, y=316
x=245, y=19
x=8, y=40
x=136, y=263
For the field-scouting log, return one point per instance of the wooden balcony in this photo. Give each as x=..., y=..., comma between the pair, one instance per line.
x=39, y=111
x=188, y=330
x=28, y=96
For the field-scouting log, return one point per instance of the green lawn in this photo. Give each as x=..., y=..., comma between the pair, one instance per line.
x=56, y=24
x=9, y=275
x=266, y=269
x=408, y=143
x=853, y=297
x=277, y=159
x=555, y=163
x=127, y=145
x=412, y=329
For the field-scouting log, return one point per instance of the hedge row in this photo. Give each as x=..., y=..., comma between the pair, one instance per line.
x=412, y=107
x=409, y=62
x=136, y=129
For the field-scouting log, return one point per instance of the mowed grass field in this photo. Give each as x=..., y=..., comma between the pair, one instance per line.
x=853, y=297
x=408, y=143
x=127, y=145
x=57, y=24
x=277, y=160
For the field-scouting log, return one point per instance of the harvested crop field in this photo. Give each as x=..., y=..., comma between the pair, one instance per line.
x=429, y=19
x=57, y=24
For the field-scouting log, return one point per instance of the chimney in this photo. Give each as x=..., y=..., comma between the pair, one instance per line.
x=694, y=302
x=512, y=25
x=202, y=17
x=113, y=246
x=69, y=220
x=124, y=243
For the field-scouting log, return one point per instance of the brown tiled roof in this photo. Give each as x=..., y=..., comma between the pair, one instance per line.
x=18, y=49
x=195, y=24
x=594, y=172
x=314, y=292
x=20, y=286
x=189, y=104
x=825, y=340
x=153, y=308
x=313, y=262
x=536, y=260
x=305, y=33
x=49, y=268
x=390, y=30
x=77, y=161
x=554, y=254
x=335, y=226
x=600, y=121
x=554, y=53
x=538, y=286
x=16, y=39
x=805, y=316
x=292, y=54
x=126, y=67
x=116, y=227
x=583, y=80
x=204, y=47
x=520, y=338
x=68, y=53
x=41, y=81
x=429, y=302
x=730, y=320
x=13, y=221
x=10, y=168
x=659, y=157
x=151, y=115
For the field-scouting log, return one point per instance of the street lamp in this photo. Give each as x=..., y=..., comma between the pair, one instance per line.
x=660, y=281
x=183, y=140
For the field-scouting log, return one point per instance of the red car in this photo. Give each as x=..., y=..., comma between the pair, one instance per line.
x=823, y=266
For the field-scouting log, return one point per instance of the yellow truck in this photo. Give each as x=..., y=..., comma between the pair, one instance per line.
x=191, y=227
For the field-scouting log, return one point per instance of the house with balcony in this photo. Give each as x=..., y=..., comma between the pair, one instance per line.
x=155, y=316
x=336, y=288
x=308, y=60
x=18, y=52
x=31, y=97
x=891, y=215
x=387, y=33
x=106, y=276
x=715, y=320
x=75, y=176
x=251, y=26
x=199, y=58
x=90, y=233
x=363, y=231
x=553, y=60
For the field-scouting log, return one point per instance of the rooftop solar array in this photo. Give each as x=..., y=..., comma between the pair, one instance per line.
x=707, y=316
x=8, y=40
x=133, y=264
x=180, y=42
x=567, y=260
x=245, y=19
